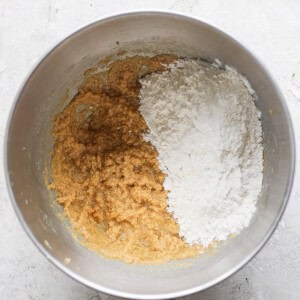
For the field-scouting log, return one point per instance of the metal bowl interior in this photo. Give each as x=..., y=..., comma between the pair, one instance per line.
x=28, y=147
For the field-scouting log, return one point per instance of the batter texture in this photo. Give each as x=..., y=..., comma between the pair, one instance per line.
x=107, y=177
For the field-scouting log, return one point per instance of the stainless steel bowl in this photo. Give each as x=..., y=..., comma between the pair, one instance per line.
x=28, y=144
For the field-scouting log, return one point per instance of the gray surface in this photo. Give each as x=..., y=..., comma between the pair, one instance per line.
x=27, y=29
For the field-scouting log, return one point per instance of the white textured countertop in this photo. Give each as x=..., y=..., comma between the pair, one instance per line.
x=271, y=29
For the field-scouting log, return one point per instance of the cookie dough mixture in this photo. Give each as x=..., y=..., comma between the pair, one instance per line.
x=107, y=177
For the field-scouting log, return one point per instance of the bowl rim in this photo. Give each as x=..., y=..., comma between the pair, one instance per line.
x=115, y=292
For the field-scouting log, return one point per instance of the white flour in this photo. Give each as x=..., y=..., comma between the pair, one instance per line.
x=204, y=123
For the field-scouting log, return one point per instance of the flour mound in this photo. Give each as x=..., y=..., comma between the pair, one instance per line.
x=206, y=128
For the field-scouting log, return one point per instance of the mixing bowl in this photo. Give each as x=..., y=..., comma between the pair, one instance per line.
x=53, y=83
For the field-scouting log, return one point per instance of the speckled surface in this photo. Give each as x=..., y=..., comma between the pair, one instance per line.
x=271, y=29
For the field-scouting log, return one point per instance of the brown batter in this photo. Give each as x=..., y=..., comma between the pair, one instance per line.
x=107, y=177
